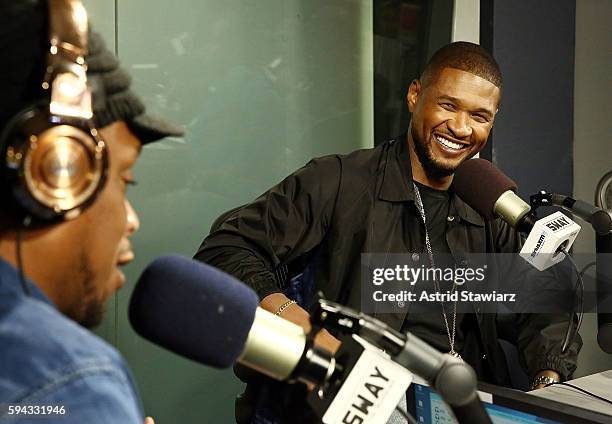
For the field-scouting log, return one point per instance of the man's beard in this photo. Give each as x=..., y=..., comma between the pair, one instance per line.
x=434, y=169
x=93, y=308
x=89, y=310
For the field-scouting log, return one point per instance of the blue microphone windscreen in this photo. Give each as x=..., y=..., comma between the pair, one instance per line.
x=194, y=310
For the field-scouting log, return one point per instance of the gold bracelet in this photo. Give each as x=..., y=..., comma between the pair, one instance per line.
x=284, y=306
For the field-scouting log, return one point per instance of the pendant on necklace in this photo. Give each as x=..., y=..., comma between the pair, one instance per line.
x=455, y=354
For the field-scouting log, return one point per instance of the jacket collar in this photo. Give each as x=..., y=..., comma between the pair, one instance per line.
x=466, y=212
x=10, y=283
x=397, y=172
x=396, y=185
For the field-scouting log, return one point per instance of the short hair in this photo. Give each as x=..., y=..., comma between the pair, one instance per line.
x=464, y=56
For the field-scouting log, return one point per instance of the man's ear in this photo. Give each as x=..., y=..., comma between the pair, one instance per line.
x=493, y=118
x=413, y=95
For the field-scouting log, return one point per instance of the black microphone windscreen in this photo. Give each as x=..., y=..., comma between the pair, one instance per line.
x=194, y=310
x=479, y=184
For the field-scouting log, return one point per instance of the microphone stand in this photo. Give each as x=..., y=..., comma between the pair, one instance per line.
x=601, y=221
x=603, y=270
x=453, y=379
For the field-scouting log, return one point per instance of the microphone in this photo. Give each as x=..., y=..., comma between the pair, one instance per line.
x=453, y=379
x=368, y=389
x=204, y=314
x=201, y=313
x=495, y=195
x=601, y=221
x=546, y=237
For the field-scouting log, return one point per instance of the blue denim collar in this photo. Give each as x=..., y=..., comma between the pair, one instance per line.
x=10, y=282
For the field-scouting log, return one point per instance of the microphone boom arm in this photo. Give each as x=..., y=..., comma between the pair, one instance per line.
x=452, y=378
x=601, y=221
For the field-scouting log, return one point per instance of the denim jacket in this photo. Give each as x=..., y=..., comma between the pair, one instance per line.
x=53, y=370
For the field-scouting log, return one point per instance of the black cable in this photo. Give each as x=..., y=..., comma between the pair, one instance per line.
x=587, y=266
x=409, y=418
x=18, y=241
x=580, y=390
x=569, y=334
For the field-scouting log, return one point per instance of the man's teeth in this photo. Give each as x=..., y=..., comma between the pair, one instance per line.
x=449, y=144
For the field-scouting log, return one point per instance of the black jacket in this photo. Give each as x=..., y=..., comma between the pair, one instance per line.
x=342, y=205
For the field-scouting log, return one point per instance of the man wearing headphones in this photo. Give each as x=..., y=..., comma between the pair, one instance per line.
x=70, y=133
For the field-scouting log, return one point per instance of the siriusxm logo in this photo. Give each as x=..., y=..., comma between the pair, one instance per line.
x=538, y=246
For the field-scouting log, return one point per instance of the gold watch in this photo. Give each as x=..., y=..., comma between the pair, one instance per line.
x=543, y=379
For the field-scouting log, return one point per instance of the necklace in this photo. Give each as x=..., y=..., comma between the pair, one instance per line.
x=449, y=333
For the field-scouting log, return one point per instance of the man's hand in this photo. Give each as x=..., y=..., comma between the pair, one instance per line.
x=299, y=316
x=547, y=373
x=327, y=341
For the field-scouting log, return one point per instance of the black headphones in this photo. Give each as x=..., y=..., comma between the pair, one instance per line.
x=51, y=156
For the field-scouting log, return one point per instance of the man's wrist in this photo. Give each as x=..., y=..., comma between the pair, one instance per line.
x=284, y=306
x=544, y=378
x=273, y=301
x=291, y=311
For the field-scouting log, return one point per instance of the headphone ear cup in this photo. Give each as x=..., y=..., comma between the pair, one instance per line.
x=54, y=169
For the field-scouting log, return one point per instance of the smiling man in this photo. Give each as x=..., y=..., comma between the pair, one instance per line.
x=65, y=220
x=394, y=198
x=452, y=115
